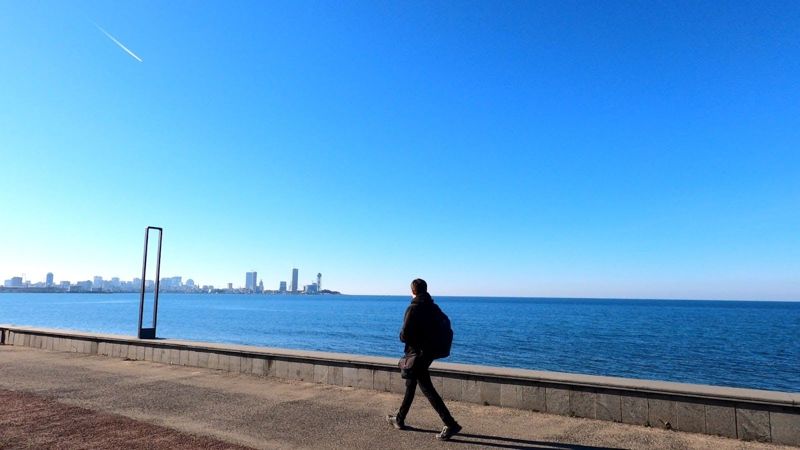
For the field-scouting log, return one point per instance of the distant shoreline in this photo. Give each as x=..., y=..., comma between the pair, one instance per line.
x=31, y=290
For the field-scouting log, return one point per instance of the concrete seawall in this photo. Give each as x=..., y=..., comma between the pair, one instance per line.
x=737, y=413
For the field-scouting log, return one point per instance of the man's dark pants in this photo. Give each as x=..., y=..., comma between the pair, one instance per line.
x=421, y=376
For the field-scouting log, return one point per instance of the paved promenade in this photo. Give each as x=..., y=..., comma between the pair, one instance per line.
x=67, y=400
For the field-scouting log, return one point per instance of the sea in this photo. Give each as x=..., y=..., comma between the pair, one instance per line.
x=743, y=344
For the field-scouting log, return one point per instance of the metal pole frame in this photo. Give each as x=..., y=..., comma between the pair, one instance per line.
x=150, y=333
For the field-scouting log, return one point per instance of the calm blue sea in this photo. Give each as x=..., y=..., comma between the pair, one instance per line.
x=740, y=344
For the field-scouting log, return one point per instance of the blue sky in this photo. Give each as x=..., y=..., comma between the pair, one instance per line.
x=596, y=149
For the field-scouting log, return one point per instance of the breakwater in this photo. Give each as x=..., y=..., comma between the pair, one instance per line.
x=747, y=414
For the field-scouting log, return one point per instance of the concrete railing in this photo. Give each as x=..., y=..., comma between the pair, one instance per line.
x=737, y=413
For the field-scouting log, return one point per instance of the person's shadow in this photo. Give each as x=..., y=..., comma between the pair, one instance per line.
x=484, y=440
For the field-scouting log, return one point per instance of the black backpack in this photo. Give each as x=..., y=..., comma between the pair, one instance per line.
x=440, y=337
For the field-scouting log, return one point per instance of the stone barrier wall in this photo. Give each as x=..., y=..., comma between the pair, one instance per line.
x=747, y=414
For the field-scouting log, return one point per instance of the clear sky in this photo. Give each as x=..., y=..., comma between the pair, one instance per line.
x=602, y=149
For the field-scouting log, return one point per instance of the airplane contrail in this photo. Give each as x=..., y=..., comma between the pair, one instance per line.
x=118, y=42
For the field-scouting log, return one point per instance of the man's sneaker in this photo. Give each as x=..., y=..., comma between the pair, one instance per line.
x=396, y=423
x=448, y=431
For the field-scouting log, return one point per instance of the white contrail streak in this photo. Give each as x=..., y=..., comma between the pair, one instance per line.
x=118, y=43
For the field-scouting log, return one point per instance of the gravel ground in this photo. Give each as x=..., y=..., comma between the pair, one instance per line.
x=66, y=400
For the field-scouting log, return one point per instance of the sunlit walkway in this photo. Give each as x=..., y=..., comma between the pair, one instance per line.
x=116, y=401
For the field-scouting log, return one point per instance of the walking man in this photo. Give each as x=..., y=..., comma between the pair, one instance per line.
x=416, y=333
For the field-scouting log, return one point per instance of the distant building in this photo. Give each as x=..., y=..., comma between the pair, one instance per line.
x=251, y=281
x=282, y=287
x=98, y=283
x=81, y=286
x=190, y=283
x=171, y=283
x=295, y=273
x=230, y=286
x=64, y=285
x=48, y=281
x=260, y=287
x=319, y=281
x=14, y=282
x=310, y=288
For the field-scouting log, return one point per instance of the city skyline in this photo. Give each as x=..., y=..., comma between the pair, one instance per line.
x=167, y=283
x=605, y=149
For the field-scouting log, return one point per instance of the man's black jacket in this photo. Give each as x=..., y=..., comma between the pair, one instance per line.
x=416, y=323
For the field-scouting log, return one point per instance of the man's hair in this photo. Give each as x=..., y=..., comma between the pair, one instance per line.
x=419, y=286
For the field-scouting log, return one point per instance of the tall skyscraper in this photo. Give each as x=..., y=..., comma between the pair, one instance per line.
x=49, y=279
x=294, y=280
x=282, y=287
x=251, y=280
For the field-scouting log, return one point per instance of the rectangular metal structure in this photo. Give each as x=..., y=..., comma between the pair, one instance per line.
x=150, y=333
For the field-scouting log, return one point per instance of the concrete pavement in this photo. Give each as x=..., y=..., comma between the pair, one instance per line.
x=219, y=408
